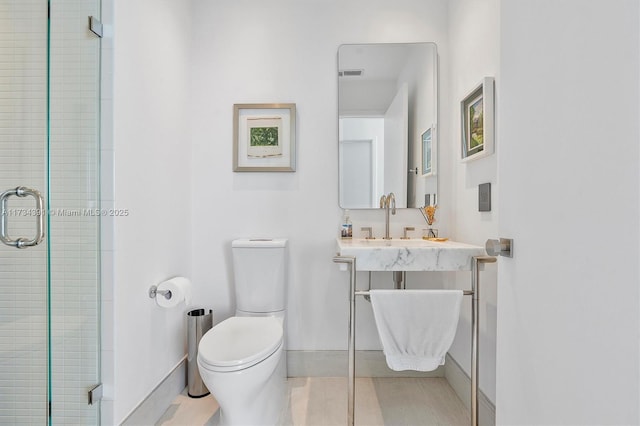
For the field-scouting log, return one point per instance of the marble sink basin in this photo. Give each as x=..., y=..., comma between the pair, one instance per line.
x=409, y=255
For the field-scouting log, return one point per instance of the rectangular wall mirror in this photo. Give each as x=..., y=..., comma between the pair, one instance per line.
x=387, y=121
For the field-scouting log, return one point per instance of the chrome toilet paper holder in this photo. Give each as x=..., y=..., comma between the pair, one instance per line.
x=154, y=292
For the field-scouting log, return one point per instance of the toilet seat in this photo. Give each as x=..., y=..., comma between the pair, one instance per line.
x=240, y=342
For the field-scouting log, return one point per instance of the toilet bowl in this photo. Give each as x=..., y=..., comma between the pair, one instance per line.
x=242, y=364
x=242, y=360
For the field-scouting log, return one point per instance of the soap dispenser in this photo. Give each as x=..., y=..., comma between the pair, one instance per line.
x=346, y=231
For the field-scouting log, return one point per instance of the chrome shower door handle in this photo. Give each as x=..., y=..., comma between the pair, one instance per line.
x=20, y=243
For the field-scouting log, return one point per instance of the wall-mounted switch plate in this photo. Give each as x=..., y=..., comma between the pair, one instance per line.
x=484, y=197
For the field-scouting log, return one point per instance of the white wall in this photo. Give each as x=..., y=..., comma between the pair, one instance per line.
x=285, y=51
x=568, y=167
x=474, y=53
x=152, y=179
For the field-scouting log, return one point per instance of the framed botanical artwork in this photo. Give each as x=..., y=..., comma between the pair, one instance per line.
x=477, y=113
x=264, y=137
x=427, y=152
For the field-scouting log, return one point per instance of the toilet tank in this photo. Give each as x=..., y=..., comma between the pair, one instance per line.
x=260, y=272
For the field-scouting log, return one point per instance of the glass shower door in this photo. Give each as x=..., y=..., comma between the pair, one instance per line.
x=23, y=159
x=49, y=292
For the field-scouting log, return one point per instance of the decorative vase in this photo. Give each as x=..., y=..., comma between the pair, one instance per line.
x=429, y=233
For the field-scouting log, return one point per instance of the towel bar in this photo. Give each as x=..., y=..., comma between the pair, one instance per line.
x=368, y=293
x=475, y=318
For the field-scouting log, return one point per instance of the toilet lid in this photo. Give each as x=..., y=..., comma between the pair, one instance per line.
x=240, y=341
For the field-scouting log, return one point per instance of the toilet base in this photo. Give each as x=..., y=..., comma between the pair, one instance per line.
x=260, y=401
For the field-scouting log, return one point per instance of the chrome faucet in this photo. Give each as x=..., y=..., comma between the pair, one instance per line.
x=386, y=202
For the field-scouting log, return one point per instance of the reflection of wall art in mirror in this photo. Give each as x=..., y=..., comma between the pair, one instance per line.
x=477, y=113
x=264, y=137
x=427, y=152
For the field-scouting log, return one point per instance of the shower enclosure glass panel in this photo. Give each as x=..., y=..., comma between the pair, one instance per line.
x=49, y=141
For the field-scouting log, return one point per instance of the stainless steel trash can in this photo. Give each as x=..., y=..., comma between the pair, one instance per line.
x=198, y=323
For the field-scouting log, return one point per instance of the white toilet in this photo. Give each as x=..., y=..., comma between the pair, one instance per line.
x=242, y=359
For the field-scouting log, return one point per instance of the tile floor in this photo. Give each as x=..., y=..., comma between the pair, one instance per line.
x=322, y=401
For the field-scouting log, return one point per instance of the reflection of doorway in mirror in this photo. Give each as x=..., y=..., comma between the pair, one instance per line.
x=361, y=144
x=357, y=173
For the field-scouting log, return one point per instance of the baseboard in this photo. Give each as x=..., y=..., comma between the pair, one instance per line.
x=154, y=405
x=461, y=384
x=335, y=364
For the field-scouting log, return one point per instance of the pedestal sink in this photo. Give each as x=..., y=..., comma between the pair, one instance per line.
x=409, y=255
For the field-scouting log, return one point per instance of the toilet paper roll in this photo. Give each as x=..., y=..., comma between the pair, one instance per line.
x=180, y=288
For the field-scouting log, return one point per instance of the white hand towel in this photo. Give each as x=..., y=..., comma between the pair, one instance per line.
x=416, y=327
